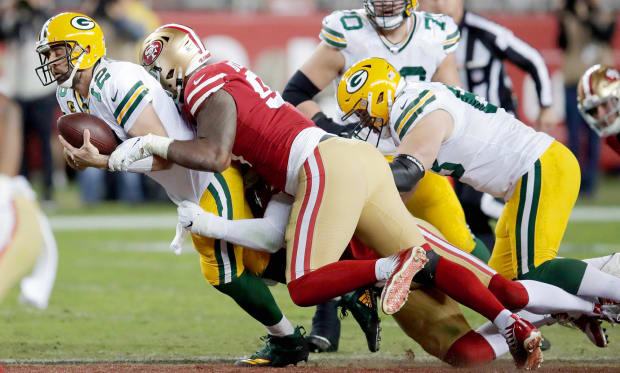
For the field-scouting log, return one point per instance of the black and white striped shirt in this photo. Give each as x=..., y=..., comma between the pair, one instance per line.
x=483, y=47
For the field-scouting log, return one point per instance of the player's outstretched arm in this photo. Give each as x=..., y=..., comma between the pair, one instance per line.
x=419, y=149
x=263, y=234
x=211, y=150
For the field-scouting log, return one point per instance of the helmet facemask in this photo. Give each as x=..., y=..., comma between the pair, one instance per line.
x=83, y=43
x=74, y=55
x=170, y=54
x=607, y=124
x=598, y=97
x=388, y=14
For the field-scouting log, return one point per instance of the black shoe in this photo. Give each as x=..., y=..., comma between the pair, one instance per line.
x=325, y=332
x=279, y=351
x=362, y=303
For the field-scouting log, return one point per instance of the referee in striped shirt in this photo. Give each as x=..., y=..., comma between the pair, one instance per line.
x=482, y=50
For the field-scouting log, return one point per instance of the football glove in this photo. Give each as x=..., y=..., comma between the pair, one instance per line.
x=137, y=148
x=198, y=221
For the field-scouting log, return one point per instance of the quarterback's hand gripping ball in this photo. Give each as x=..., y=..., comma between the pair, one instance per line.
x=136, y=149
x=72, y=126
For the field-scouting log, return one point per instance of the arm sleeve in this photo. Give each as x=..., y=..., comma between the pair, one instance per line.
x=126, y=97
x=332, y=30
x=452, y=35
x=528, y=59
x=265, y=234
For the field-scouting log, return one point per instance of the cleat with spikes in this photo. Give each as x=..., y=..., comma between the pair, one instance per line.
x=362, y=304
x=279, y=351
x=524, y=341
x=396, y=290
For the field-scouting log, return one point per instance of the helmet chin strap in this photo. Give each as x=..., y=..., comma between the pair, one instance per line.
x=69, y=82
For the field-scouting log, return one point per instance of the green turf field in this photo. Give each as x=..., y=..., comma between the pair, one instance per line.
x=121, y=295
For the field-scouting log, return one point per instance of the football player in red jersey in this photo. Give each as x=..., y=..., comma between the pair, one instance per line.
x=598, y=96
x=238, y=117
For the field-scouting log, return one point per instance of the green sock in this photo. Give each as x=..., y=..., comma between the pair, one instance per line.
x=564, y=273
x=481, y=251
x=251, y=293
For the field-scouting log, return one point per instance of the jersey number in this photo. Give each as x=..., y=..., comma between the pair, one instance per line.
x=472, y=99
x=427, y=22
x=455, y=170
x=418, y=71
x=100, y=78
x=275, y=101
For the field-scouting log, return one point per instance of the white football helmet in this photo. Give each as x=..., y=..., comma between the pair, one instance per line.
x=598, y=96
x=389, y=14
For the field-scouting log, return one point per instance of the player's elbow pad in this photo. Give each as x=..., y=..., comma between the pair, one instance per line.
x=407, y=171
x=299, y=89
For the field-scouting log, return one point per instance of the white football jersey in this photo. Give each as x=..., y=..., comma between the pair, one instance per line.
x=118, y=93
x=488, y=149
x=434, y=36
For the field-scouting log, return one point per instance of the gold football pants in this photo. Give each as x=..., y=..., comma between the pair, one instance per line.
x=222, y=261
x=19, y=253
x=532, y=225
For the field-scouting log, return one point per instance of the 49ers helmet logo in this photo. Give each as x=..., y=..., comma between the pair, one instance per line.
x=612, y=75
x=152, y=52
x=82, y=23
x=356, y=81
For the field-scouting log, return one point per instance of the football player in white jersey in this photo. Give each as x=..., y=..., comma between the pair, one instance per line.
x=133, y=103
x=26, y=239
x=453, y=132
x=421, y=46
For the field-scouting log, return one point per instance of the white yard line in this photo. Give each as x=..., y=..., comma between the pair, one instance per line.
x=168, y=221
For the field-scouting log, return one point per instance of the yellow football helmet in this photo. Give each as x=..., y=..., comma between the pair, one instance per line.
x=171, y=53
x=598, y=99
x=389, y=14
x=82, y=39
x=368, y=89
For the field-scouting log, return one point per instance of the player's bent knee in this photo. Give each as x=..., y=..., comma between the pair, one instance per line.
x=469, y=350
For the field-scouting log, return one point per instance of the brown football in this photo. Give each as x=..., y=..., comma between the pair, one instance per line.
x=72, y=126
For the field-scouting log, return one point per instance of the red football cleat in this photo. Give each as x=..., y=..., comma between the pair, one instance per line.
x=524, y=342
x=396, y=290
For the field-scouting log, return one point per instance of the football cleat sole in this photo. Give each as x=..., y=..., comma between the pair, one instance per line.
x=396, y=290
x=534, y=354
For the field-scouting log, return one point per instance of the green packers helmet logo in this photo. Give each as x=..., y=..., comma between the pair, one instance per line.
x=356, y=81
x=82, y=23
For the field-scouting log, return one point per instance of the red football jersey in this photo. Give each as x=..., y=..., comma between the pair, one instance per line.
x=614, y=142
x=266, y=125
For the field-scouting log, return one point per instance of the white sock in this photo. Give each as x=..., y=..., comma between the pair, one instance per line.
x=598, y=262
x=596, y=283
x=545, y=298
x=384, y=267
x=503, y=320
x=282, y=328
x=490, y=333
